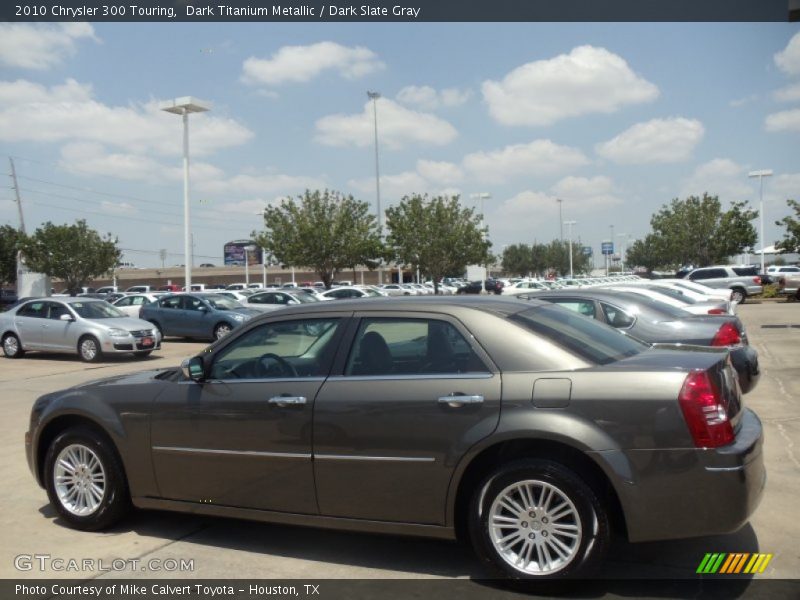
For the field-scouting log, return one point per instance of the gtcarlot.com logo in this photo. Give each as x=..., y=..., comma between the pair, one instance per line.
x=722, y=563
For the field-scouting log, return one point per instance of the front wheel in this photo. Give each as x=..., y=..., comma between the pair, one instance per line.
x=12, y=347
x=537, y=520
x=738, y=295
x=85, y=480
x=89, y=349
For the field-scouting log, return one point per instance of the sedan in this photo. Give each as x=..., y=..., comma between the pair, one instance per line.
x=347, y=293
x=657, y=323
x=203, y=316
x=88, y=327
x=131, y=304
x=531, y=430
x=273, y=300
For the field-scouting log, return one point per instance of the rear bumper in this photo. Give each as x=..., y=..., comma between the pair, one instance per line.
x=745, y=361
x=679, y=493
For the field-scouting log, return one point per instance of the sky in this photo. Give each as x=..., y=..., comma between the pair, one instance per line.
x=615, y=120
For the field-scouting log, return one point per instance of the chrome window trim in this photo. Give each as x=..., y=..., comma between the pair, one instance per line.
x=183, y=450
x=423, y=459
x=268, y=380
x=424, y=376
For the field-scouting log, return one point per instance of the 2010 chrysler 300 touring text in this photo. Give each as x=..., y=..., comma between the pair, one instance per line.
x=528, y=429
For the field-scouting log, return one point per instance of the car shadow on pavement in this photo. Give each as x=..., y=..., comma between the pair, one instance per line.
x=655, y=569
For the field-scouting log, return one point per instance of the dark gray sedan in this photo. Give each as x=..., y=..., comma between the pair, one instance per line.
x=528, y=429
x=658, y=323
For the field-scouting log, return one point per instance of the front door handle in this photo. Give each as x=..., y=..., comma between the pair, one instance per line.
x=287, y=400
x=459, y=400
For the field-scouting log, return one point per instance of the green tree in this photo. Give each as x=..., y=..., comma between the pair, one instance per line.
x=437, y=235
x=556, y=255
x=791, y=239
x=11, y=241
x=72, y=253
x=697, y=231
x=517, y=260
x=324, y=230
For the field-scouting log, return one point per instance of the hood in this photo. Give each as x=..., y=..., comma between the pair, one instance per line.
x=128, y=379
x=126, y=323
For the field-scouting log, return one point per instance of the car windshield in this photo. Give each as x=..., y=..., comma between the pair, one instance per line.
x=658, y=306
x=584, y=337
x=96, y=310
x=673, y=293
x=222, y=302
x=305, y=298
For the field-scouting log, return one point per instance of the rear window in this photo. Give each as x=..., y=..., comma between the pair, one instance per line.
x=744, y=271
x=582, y=336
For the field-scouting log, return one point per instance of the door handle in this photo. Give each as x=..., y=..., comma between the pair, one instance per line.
x=287, y=400
x=459, y=400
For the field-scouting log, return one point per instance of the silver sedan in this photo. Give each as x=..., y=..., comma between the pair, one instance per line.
x=88, y=327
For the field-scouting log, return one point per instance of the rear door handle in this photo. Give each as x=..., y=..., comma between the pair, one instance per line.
x=287, y=400
x=458, y=400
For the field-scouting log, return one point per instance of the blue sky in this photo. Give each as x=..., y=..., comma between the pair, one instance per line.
x=615, y=119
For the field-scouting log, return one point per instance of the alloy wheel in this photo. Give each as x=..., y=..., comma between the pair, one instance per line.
x=80, y=480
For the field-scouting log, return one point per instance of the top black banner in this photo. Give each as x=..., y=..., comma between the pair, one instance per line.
x=400, y=10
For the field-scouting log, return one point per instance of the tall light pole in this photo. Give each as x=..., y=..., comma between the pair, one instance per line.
x=560, y=218
x=569, y=225
x=374, y=97
x=482, y=196
x=761, y=174
x=184, y=106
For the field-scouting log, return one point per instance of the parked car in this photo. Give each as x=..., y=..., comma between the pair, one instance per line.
x=493, y=286
x=347, y=293
x=525, y=287
x=169, y=287
x=678, y=299
x=206, y=265
x=270, y=300
x=744, y=281
x=779, y=269
x=396, y=289
x=789, y=284
x=87, y=327
x=140, y=289
x=655, y=322
x=131, y=304
x=8, y=297
x=696, y=286
x=204, y=316
x=524, y=426
x=107, y=289
x=236, y=286
x=470, y=287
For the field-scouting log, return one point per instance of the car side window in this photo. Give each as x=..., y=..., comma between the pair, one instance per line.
x=584, y=307
x=287, y=349
x=385, y=346
x=138, y=300
x=124, y=301
x=56, y=310
x=616, y=317
x=36, y=310
x=192, y=303
x=256, y=299
x=172, y=302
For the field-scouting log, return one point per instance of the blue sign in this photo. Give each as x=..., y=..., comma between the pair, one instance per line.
x=587, y=251
x=607, y=248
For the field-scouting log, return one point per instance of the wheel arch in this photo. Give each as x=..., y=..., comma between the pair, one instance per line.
x=489, y=458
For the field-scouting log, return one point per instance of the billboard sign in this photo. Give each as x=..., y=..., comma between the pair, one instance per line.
x=607, y=247
x=587, y=251
x=234, y=254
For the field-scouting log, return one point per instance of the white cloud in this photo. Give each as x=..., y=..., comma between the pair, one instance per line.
x=28, y=46
x=785, y=120
x=587, y=80
x=118, y=208
x=655, y=141
x=67, y=113
x=788, y=59
x=259, y=184
x=540, y=157
x=790, y=93
x=784, y=186
x=744, y=101
x=427, y=98
x=299, y=64
x=440, y=171
x=397, y=126
x=581, y=194
x=719, y=177
x=393, y=187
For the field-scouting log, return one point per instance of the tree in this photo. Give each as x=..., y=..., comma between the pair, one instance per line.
x=517, y=260
x=645, y=253
x=11, y=241
x=72, y=253
x=791, y=239
x=556, y=255
x=326, y=231
x=697, y=231
x=437, y=235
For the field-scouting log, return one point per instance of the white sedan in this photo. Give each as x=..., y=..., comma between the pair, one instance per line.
x=132, y=304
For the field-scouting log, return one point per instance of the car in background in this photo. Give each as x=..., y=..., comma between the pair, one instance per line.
x=789, y=284
x=202, y=316
x=397, y=289
x=233, y=295
x=743, y=281
x=236, y=286
x=779, y=269
x=206, y=265
x=87, y=327
x=351, y=292
x=8, y=297
x=678, y=299
x=107, y=289
x=169, y=287
x=493, y=286
x=140, y=289
x=655, y=322
x=525, y=287
x=537, y=433
x=695, y=286
x=470, y=287
x=131, y=304
x=269, y=300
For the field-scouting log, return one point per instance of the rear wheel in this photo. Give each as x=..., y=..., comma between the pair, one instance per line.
x=738, y=295
x=89, y=349
x=12, y=347
x=537, y=520
x=85, y=480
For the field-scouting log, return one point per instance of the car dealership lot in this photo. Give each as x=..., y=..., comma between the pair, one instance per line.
x=224, y=548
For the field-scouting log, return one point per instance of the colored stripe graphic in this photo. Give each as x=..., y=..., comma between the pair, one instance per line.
x=734, y=563
x=732, y=558
x=740, y=564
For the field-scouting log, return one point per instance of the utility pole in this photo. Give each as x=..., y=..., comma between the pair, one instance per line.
x=560, y=218
x=16, y=194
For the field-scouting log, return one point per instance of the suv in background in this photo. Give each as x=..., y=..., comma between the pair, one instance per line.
x=8, y=297
x=493, y=286
x=743, y=281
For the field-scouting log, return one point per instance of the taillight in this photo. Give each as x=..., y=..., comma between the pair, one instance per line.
x=705, y=415
x=757, y=280
x=716, y=311
x=727, y=335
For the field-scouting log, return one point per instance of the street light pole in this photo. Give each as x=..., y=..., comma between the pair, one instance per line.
x=569, y=225
x=482, y=196
x=560, y=218
x=374, y=97
x=623, y=250
x=184, y=106
x=761, y=174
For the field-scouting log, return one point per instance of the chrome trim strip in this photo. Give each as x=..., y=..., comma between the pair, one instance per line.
x=725, y=469
x=230, y=452
x=268, y=380
x=481, y=375
x=374, y=458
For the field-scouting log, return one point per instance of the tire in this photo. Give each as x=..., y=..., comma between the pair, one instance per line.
x=97, y=462
x=221, y=330
x=557, y=538
x=89, y=349
x=738, y=295
x=12, y=347
x=143, y=354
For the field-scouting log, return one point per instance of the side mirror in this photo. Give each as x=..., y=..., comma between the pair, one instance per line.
x=66, y=317
x=193, y=369
x=202, y=308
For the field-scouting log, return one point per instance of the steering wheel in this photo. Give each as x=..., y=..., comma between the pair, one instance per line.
x=265, y=369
